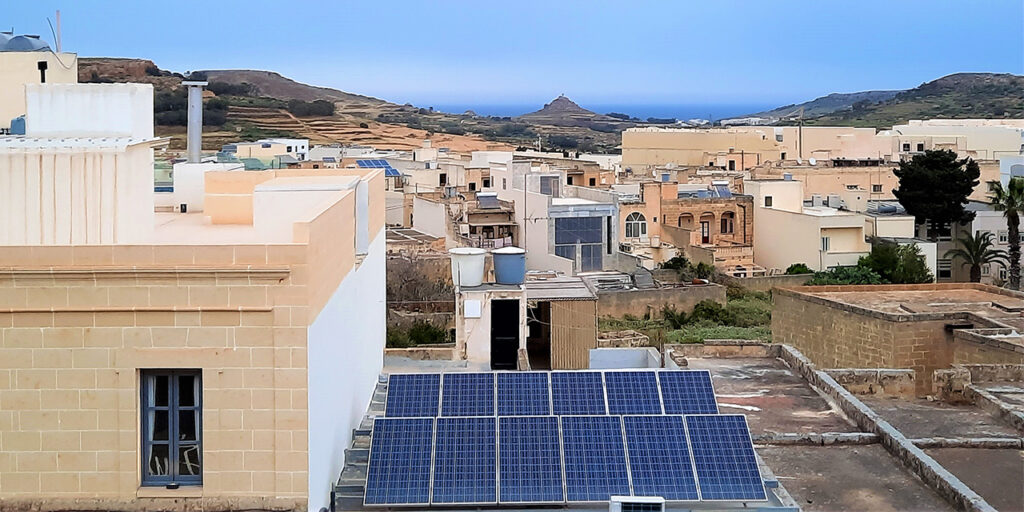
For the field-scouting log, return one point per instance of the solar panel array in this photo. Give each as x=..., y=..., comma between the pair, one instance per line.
x=557, y=437
x=379, y=164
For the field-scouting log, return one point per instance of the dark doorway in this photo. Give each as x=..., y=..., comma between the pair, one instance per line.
x=504, y=334
x=538, y=337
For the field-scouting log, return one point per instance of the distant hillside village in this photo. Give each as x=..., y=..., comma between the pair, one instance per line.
x=253, y=321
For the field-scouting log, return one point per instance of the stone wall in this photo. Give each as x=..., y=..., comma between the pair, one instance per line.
x=766, y=283
x=643, y=302
x=978, y=346
x=876, y=382
x=836, y=335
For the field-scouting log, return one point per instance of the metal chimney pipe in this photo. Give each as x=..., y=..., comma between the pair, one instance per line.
x=195, y=119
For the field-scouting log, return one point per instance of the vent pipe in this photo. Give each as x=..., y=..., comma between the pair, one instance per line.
x=195, y=119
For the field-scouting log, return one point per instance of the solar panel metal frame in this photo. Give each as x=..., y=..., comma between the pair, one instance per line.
x=433, y=462
x=494, y=392
x=497, y=393
x=565, y=469
x=657, y=386
x=387, y=396
x=686, y=443
x=757, y=466
x=711, y=381
x=561, y=460
x=430, y=476
x=604, y=392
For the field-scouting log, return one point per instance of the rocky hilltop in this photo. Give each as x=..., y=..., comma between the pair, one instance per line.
x=562, y=111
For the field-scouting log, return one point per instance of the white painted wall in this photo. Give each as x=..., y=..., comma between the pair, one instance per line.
x=429, y=217
x=75, y=191
x=190, y=184
x=89, y=110
x=346, y=356
x=622, y=357
x=473, y=334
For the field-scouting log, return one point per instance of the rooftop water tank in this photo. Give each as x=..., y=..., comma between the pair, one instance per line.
x=509, y=265
x=467, y=266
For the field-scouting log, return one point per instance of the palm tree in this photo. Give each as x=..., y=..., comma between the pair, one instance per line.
x=976, y=250
x=1010, y=201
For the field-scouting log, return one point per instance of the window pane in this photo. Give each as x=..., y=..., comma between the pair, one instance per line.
x=188, y=460
x=158, y=390
x=187, y=425
x=157, y=426
x=566, y=251
x=158, y=460
x=187, y=390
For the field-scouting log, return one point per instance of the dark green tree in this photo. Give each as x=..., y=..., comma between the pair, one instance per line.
x=934, y=187
x=975, y=251
x=897, y=264
x=1010, y=201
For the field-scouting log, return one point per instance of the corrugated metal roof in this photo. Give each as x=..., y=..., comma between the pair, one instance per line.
x=559, y=288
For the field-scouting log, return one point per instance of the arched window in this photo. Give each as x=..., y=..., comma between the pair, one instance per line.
x=636, y=225
x=728, y=218
x=686, y=221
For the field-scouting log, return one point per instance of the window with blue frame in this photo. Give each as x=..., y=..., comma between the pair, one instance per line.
x=172, y=427
x=585, y=233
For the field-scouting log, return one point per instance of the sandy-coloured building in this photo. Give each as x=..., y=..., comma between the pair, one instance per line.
x=743, y=147
x=216, y=360
x=665, y=219
x=29, y=60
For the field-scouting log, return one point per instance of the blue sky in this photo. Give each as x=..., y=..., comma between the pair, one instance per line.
x=624, y=52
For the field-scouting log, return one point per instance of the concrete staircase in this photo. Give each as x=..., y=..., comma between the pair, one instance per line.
x=351, y=486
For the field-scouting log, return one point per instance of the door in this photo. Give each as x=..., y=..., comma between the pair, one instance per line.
x=705, y=232
x=504, y=334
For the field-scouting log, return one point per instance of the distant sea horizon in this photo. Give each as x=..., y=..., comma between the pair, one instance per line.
x=642, y=111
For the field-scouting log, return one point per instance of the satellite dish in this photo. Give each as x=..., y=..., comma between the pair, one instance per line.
x=799, y=161
x=812, y=161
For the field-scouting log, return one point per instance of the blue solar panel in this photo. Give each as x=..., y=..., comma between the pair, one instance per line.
x=529, y=461
x=413, y=395
x=399, y=469
x=688, y=392
x=523, y=394
x=632, y=393
x=659, y=459
x=595, y=458
x=724, y=458
x=577, y=393
x=391, y=172
x=465, y=463
x=467, y=394
x=372, y=164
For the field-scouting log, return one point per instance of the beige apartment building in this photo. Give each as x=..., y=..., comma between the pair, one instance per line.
x=744, y=147
x=215, y=360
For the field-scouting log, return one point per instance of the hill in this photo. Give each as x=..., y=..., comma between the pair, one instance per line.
x=269, y=83
x=957, y=96
x=564, y=112
x=826, y=104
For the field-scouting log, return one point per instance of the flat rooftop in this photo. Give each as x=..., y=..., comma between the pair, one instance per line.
x=925, y=299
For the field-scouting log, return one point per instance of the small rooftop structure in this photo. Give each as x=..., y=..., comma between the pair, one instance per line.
x=22, y=43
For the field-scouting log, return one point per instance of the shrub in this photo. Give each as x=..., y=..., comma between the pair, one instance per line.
x=710, y=311
x=846, y=275
x=364, y=125
x=152, y=70
x=898, y=264
x=674, y=319
x=798, y=268
x=301, y=108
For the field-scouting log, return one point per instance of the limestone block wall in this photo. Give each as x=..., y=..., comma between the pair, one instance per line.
x=73, y=342
x=835, y=335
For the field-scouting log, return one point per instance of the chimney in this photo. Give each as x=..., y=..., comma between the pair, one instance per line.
x=195, y=119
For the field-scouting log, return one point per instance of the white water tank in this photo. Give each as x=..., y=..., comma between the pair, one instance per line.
x=467, y=266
